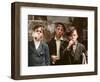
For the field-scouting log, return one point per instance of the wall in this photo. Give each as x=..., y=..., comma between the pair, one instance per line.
x=5, y=40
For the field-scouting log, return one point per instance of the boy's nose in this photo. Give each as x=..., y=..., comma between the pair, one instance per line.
x=38, y=32
x=59, y=31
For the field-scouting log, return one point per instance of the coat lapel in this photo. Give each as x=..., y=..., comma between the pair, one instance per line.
x=77, y=48
x=54, y=46
x=77, y=52
x=38, y=50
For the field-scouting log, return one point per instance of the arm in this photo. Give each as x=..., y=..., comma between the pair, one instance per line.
x=84, y=59
x=66, y=60
x=84, y=55
x=29, y=55
x=47, y=55
x=52, y=51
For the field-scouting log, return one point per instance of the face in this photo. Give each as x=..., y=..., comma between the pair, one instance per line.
x=59, y=31
x=73, y=36
x=38, y=33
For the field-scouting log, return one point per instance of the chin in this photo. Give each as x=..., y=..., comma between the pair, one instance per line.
x=74, y=40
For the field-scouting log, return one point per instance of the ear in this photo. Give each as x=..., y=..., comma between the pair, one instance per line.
x=33, y=34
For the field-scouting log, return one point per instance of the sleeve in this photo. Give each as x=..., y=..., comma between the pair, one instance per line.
x=84, y=55
x=50, y=46
x=66, y=57
x=47, y=55
x=29, y=55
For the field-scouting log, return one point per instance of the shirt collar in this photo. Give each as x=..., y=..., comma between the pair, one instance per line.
x=61, y=38
x=75, y=42
x=37, y=42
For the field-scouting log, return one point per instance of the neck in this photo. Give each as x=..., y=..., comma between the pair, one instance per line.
x=36, y=40
x=58, y=37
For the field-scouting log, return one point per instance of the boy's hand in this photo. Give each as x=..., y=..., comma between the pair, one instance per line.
x=71, y=42
x=54, y=58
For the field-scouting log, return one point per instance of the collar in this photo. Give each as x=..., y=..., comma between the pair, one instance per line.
x=75, y=42
x=61, y=38
x=36, y=42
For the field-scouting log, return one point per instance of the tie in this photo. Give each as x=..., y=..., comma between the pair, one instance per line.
x=74, y=48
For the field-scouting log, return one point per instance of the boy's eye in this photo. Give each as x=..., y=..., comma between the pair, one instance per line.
x=39, y=31
x=60, y=29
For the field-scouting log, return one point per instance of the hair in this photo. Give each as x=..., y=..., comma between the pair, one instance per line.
x=38, y=26
x=59, y=23
x=70, y=30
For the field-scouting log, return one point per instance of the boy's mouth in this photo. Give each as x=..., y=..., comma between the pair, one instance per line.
x=36, y=38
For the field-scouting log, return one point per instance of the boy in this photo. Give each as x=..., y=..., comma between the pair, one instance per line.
x=75, y=52
x=57, y=44
x=38, y=51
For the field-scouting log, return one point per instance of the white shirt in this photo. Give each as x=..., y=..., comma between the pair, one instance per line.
x=58, y=41
x=36, y=43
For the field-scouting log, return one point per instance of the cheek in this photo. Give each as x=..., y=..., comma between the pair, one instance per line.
x=56, y=32
x=62, y=32
x=33, y=34
x=70, y=38
x=75, y=38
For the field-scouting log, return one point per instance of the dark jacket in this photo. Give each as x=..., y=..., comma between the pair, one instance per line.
x=52, y=49
x=39, y=57
x=71, y=57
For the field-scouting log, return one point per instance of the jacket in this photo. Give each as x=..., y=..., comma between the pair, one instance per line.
x=39, y=57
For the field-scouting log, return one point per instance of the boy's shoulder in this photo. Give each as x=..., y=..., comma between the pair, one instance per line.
x=80, y=45
x=30, y=42
x=44, y=44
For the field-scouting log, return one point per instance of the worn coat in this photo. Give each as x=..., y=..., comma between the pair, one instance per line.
x=53, y=48
x=39, y=57
x=70, y=57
